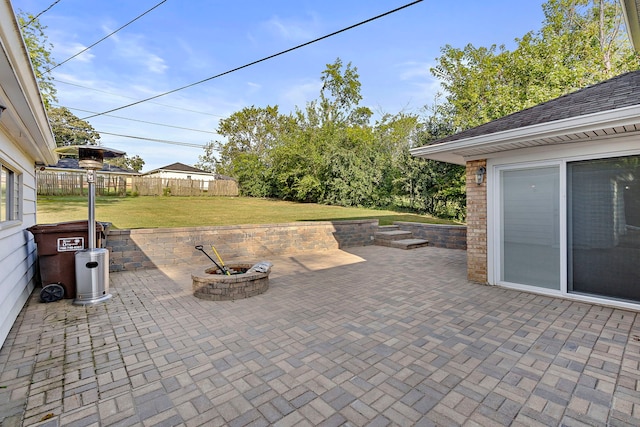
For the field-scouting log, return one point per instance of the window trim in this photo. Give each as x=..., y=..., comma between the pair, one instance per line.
x=562, y=154
x=13, y=208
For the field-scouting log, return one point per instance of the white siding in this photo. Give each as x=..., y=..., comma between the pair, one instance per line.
x=17, y=249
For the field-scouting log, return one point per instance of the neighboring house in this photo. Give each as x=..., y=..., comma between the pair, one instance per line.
x=182, y=171
x=553, y=193
x=73, y=165
x=26, y=142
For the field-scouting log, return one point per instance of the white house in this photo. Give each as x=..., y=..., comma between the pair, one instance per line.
x=182, y=171
x=553, y=192
x=25, y=141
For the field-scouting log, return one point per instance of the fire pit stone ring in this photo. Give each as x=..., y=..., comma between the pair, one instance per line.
x=210, y=284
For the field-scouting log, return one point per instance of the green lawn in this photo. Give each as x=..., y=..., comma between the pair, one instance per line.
x=163, y=212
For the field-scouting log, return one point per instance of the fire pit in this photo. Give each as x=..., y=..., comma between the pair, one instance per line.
x=212, y=285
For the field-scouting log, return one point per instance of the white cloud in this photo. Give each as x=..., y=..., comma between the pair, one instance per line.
x=292, y=29
x=418, y=75
x=413, y=70
x=64, y=51
x=133, y=48
x=301, y=93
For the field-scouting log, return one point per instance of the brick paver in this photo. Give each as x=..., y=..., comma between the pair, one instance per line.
x=371, y=336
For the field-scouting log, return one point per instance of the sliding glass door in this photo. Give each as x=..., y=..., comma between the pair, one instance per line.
x=530, y=226
x=604, y=227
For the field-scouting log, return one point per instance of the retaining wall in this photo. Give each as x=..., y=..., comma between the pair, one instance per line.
x=438, y=235
x=158, y=247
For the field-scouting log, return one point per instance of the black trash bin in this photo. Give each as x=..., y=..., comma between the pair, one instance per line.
x=57, y=245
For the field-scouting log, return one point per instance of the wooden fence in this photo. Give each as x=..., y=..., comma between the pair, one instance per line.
x=150, y=186
x=52, y=183
x=56, y=183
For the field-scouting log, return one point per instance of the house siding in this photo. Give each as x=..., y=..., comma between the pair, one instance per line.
x=17, y=249
x=476, y=223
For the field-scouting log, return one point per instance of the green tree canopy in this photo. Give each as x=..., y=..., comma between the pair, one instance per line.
x=68, y=129
x=134, y=163
x=581, y=42
x=39, y=50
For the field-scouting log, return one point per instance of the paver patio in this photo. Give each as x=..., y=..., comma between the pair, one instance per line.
x=367, y=336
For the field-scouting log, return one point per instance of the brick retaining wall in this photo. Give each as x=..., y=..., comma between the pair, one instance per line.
x=438, y=235
x=151, y=248
x=158, y=247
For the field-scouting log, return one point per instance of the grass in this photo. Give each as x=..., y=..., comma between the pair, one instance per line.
x=165, y=212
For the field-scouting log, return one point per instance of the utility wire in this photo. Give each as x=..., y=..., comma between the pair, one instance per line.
x=38, y=15
x=129, y=97
x=164, y=141
x=266, y=58
x=143, y=121
x=103, y=39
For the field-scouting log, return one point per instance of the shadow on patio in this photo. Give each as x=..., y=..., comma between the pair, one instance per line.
x=367, y=336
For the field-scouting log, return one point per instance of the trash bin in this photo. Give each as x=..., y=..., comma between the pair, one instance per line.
x=57, y=245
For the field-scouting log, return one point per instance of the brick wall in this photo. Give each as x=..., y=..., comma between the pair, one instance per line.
x=438, y=235
x=476, y=224
x=151, y=248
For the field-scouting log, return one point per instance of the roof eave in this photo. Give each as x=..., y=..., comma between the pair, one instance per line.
x=25, y=118
x=631, y=13
x=453, y=151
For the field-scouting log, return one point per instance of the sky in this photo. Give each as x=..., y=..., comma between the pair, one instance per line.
x=181, y=42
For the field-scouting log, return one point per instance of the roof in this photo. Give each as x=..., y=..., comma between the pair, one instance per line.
x=24, y=119
x=631, y=9
x=180, y=167
x=606, y=108
x=73, y=163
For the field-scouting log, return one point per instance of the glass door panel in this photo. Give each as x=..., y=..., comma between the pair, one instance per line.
x=604, y=227
x=530, y=226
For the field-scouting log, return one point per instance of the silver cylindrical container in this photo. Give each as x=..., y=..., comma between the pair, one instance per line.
x=92, y=276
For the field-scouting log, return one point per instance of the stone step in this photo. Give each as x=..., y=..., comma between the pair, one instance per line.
x=388, y=227
x=402, y=243
x=393, y=235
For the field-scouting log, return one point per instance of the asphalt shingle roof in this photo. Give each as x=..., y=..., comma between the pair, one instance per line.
x=73, y=163
x=181, y=167
x=618, y=92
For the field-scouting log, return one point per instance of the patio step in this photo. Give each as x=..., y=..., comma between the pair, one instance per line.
x=403, y=243
x=396, y=238
x=392, y=235
x=388, y=227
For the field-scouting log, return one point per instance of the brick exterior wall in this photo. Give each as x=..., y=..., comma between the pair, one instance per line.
x=152, y=248
x=476, y=224
x=438, y=235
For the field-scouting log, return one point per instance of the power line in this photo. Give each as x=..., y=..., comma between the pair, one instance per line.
x=143, y=121
x=38, y=15
x=266, y=58
x=164, y=141
x=104, y=38
x=129, y=97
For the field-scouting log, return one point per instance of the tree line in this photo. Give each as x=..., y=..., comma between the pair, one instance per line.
x=330, y=151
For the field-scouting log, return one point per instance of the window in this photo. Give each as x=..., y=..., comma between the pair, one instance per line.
x=9, y=194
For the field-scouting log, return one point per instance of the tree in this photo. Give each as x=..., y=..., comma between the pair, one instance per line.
x=68, y=129
x=251, y=133
x=208, y=160
x=134, y=163
x=40, y=55
x=581, y=43
x=340, y=96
